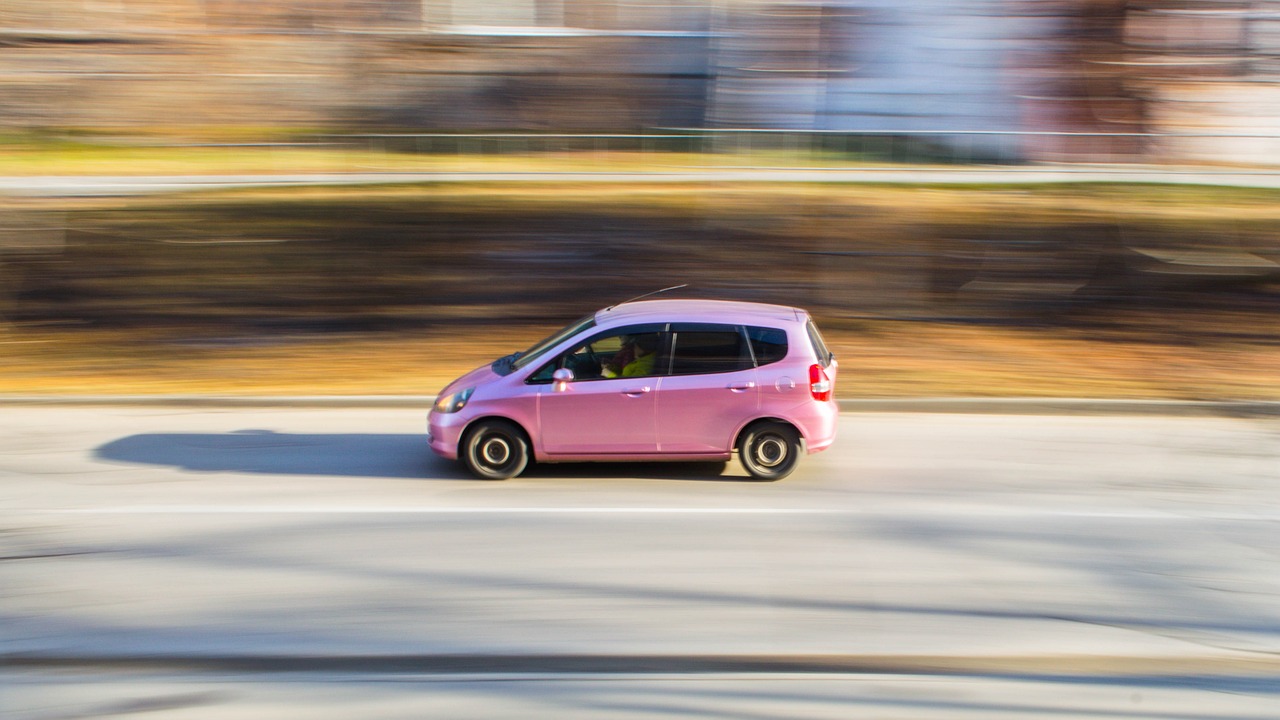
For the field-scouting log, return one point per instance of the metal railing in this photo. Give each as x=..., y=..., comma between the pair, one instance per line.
x=737, y=146
x=758, y=148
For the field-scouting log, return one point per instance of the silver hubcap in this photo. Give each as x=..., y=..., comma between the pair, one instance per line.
x=770, y=451
x=495, y=450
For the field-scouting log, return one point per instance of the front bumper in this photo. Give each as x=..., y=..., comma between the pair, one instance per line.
x=444, y=432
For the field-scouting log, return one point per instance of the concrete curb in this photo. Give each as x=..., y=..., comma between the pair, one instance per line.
x=114, y=185
x=960, y=405
x=224, y=401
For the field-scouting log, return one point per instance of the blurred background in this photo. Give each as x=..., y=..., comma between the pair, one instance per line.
x=993, y=197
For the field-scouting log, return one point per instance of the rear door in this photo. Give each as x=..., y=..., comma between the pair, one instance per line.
x=709, y=390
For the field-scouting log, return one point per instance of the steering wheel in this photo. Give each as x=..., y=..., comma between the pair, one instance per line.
x=584, y=363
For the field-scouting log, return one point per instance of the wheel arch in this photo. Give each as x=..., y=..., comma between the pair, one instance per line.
x=471, y=424
x=746, y=427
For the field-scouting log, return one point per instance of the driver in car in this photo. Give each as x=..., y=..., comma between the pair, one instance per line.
x=635, y=359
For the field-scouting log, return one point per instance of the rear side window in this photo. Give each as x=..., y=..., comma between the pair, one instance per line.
x=768, y=344
x=819, y=347
x=698, y=349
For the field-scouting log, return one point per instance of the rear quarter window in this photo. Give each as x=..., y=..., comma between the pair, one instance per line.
x=768, y=344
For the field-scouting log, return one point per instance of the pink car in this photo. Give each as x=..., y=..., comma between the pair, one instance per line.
x=649, y=380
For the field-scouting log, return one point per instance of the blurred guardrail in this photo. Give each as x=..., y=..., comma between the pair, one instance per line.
x=837, y=147
x=762, y=147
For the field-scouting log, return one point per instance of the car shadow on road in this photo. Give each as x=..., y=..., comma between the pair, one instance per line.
x=674, y=470
x=380, y=455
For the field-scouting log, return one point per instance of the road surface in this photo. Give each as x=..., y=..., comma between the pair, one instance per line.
x=189, y=562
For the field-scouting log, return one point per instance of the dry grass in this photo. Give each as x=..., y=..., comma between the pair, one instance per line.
x=1186, y=351
x=73, y=159
x=932, y=361
x=877, y=359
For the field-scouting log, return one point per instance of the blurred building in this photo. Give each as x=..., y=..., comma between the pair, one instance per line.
x=567, y=65
x=1210, y=69
x=1094, y=78
x=872, y=65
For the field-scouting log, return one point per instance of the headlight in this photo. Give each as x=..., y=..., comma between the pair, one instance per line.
x=453, y=402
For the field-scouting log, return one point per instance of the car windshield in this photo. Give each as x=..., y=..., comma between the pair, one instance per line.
x=523, y=359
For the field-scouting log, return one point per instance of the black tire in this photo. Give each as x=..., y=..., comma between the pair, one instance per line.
x=495, y=450
x=770, y=450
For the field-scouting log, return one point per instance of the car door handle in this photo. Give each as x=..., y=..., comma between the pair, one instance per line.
x=636, y=392
x=742, y=387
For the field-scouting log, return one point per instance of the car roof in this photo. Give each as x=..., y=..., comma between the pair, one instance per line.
x=671, y=310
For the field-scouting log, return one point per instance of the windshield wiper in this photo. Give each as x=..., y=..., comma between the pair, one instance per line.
x=504, y=365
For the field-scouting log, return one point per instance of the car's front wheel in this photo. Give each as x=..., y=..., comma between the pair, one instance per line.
x=770, y=450
x=495, y=450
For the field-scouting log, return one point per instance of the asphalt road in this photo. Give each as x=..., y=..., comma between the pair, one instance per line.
x=188, y=562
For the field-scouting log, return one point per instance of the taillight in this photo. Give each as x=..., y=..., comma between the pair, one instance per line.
x=819, y=383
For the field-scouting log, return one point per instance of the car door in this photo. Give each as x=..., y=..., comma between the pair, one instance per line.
x=603, y=410
x=709, y=391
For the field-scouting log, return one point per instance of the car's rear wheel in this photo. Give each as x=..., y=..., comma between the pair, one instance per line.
x=770, y=450
x=495, y=450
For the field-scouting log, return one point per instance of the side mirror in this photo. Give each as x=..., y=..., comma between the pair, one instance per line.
x=562, y=377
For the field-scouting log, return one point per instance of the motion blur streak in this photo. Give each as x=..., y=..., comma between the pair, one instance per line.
x=1083, y=204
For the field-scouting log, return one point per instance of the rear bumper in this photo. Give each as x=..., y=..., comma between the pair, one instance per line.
x=818, y=425
x=817, y=447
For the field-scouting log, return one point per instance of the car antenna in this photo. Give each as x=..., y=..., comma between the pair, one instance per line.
x=648, y=294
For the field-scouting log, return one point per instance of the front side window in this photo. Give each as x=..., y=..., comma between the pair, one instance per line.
x=700, y=349
x=628, y=352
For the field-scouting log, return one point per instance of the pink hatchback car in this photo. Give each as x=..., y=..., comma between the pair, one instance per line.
x=649, y=380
